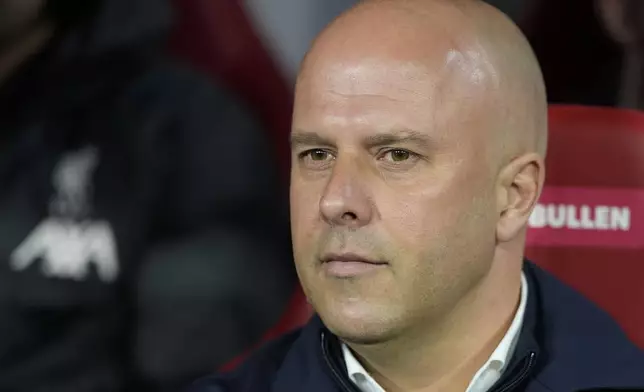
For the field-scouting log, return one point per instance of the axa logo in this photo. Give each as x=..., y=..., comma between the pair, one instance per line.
x=68, y=242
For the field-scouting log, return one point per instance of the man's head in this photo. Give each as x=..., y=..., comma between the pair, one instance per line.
x=419, y=131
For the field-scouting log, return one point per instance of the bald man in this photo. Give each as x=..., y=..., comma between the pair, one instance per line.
x=418, y=143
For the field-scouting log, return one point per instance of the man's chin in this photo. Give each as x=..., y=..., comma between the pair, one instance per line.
x=360, y=331
x=365, y=339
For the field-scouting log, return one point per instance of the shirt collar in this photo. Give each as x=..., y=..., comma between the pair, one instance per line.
x=497, y=361
x=504, y=351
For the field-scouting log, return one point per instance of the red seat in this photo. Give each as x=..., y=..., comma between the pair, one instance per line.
x=588, y=228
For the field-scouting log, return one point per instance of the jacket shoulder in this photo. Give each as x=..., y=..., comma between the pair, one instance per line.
x=584, y=348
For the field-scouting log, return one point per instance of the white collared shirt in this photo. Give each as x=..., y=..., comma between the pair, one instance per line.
x=482, y=381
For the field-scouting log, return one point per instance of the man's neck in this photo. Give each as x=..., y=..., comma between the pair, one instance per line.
x=30, y=43
x=448, y=354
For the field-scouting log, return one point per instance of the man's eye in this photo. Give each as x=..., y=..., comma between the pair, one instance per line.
x=316, y=155
x=398, y=155
x=319, y=155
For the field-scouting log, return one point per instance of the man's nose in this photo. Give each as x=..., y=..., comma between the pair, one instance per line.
x=346, y=200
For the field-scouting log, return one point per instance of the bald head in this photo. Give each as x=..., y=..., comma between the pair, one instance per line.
x=471, y=52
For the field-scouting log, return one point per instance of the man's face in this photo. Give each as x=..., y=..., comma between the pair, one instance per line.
x=16, y=16
x=391, y=164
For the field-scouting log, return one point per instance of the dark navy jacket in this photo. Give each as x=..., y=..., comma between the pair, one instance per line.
x=567, y=344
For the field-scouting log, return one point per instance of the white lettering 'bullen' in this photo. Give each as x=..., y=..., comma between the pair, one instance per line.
x=602, y=218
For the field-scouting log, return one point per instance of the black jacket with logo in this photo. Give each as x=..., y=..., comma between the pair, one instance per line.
x=143, y=240
x=566, y=344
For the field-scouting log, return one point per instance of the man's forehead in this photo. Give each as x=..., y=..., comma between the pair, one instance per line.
x=375, y=70
x=368, y=76
x=389, y=92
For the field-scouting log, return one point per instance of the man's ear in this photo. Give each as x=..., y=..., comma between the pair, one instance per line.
x=519, y=186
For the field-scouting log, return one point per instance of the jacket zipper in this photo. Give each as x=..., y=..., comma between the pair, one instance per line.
x=521, y=376
x=344, y=383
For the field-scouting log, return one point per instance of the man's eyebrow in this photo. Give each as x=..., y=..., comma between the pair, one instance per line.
x=398, y=137
x=308, y=138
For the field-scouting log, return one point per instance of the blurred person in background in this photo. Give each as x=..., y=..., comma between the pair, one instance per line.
x=624, y=21
x=142, y=235
x=582, y=64
x=591, y=52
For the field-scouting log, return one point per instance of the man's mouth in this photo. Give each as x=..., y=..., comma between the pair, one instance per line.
x=344, y=265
